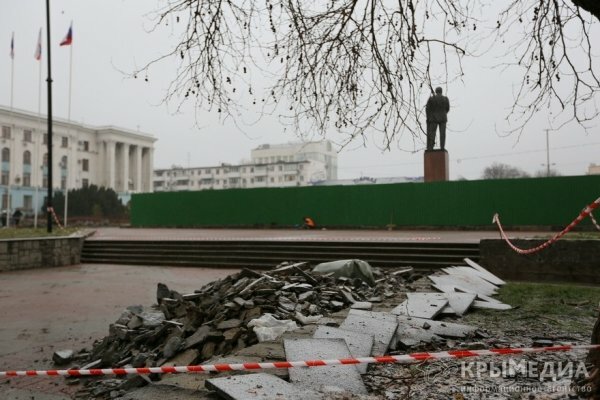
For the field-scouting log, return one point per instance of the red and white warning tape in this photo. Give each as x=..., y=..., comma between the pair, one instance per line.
x=51, y=210
x=402, y=359
x=594, y=221
x=586, y=211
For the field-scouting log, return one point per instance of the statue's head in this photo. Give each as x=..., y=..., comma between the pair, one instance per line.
x=438, y=90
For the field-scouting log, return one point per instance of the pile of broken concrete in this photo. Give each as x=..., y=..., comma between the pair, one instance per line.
x=329, y=315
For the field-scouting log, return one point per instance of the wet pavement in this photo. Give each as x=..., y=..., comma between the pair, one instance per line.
x=44, y=310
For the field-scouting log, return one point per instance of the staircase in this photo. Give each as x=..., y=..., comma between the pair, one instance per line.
x=267, y=254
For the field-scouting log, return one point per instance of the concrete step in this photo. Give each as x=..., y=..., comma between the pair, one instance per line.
x=266, y=254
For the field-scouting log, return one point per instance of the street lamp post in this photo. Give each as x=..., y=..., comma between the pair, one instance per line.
x=49, y=81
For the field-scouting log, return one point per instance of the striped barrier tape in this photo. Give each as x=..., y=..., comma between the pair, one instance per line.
x=594, y=221
x=586, y=212
x=402, y=359
x=51, y=210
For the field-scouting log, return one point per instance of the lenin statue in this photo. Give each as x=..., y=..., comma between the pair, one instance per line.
x=436, y=111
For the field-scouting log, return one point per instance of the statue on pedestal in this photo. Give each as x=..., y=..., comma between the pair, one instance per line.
x=436, y=111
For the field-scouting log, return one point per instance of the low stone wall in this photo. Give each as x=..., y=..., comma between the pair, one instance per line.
x=16, y=254
x=576, y=261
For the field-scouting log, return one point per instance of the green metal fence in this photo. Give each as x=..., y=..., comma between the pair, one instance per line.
x=533, y=201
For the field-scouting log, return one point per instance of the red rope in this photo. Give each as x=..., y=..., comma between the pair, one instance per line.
x=587, y=211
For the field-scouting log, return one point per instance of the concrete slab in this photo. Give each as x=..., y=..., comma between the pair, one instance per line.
x=409, y=336
x=464, y=284
x=360, y=344
x=439, y=328
x=161, y=392
x=325, y=379
x=460, y=302
x=491, y=306
x=259, y=386
x=421, y=305
x=487, y=275
x=471, y=277
x=381, y=325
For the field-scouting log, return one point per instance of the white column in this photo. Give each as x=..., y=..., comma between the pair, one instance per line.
x=111, y=164
x=138, y=169
x=125, y=157
x=101, y=165
x=151, y=169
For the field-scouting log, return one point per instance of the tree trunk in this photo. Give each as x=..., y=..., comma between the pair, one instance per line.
x=593, y=6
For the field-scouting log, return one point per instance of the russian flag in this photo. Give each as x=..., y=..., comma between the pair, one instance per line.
x=12, y=46
x=69, y=38
x=38, y=48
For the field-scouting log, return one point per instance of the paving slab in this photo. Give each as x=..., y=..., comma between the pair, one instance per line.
x=460, y=302
x=464, y=284
x=440, y=328
x=161, y=392
x=421, y=305
x=259, y=386
x=491, y=305
x=409, y=336
x=360, y=344
x=379, y=324
x=471, y=277
x=487, y=275
x=325, y=379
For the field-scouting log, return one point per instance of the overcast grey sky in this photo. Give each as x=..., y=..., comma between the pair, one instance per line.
x=112, y=36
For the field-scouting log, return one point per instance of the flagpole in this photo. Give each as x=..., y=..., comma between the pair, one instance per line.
x=12, y=122
x=69, y=130
x=49, y=81
x=36, y=147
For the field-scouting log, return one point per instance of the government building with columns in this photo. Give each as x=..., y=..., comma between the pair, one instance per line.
x=83, y=155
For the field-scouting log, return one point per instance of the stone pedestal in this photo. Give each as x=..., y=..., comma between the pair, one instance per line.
x=436, y=166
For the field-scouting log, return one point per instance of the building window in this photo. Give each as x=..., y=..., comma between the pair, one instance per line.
x=26, y=179
x=6, y=132
x=272, y=179
x=27, y=136
x=28, y=202
x=85, y=183
x=4, y=178
x=5, y=155
x=5, y=201
x=45, y=160
x=85, y=164
x=63, y=162
x=86, y=145
x=27, y=157
x=45, y=181
x=64, y=142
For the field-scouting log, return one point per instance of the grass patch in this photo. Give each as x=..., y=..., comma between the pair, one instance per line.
x=543, y=309
x=549, y=299
x=23, y=233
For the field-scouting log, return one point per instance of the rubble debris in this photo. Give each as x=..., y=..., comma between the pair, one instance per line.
x=334, y=378
x=258, y=386
x=62, y=357
x=458, y=303
x=468, y=284
x=347, y=268
x=422, y=305
x=359, y=344
x=269, y=328
x=484, y=273
x=440, y=328
x=214, y=320
x=381, y=325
